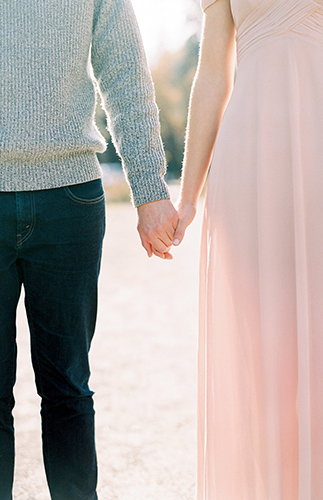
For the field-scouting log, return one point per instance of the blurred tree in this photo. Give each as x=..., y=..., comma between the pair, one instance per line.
x=173, y=78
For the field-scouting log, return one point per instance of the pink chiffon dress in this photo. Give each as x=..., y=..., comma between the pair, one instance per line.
x=260, y=369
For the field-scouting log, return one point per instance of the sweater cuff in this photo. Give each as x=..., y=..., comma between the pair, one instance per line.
x=146, y=187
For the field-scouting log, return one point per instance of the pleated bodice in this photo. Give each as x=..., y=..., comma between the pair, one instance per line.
x=280, y=18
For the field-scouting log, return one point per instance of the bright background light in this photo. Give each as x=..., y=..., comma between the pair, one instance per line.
x=164, y=25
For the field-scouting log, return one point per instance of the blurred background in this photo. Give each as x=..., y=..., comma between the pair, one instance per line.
x=144, y=353
x=171, y=32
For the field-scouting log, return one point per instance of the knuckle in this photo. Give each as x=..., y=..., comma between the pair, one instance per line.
x=149, y=232
x=159, y=228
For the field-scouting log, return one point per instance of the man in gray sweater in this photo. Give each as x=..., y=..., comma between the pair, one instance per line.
x=55, y=57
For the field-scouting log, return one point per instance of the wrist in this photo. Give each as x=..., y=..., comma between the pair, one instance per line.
x=148, y=204
x=186, y=199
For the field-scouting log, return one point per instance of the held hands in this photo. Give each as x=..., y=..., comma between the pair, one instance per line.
x=157, y=222
x=160, y=226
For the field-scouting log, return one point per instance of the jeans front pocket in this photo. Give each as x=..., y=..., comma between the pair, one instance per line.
x=86, y=193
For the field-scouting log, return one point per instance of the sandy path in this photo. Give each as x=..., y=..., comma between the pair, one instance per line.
x=143, y=362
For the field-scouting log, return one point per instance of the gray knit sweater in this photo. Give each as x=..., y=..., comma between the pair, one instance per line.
x=56, y=57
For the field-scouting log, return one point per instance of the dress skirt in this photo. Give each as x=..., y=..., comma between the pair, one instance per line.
x=260, y=364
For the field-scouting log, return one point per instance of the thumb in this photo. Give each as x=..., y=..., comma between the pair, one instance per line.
x=180, y=232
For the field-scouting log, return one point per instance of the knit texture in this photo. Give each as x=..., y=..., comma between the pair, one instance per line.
x=56, y=58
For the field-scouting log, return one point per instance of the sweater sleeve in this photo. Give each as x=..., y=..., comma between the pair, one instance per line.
x=121, y=71
x=206, y=3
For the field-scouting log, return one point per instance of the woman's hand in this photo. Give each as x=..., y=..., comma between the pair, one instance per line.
x=186, y=213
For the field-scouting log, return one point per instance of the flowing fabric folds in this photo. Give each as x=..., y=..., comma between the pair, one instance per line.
x=260, y=395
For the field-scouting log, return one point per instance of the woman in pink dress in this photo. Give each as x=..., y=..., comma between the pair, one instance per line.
x=260, y=389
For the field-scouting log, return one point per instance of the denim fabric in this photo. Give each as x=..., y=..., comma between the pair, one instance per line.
x=51, y=243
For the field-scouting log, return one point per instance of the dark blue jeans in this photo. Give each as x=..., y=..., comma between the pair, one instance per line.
x=51, y=242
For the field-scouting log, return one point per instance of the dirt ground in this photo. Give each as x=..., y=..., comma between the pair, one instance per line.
x=143, y=362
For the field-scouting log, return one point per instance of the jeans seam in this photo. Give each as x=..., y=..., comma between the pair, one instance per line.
x=33, y=221
x=18, y=220
x=83, y=201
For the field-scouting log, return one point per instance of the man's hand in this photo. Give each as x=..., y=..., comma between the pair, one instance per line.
x=157, y=223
